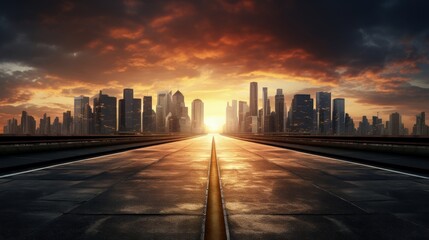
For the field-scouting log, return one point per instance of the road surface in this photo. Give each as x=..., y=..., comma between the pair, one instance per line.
x=160, y=192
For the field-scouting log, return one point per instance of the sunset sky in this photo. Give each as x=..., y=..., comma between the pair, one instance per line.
x=373, y=53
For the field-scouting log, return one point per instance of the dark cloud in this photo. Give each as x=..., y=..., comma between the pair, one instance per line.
x=84, y=44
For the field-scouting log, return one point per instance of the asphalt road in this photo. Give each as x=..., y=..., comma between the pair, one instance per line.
x=159, y=192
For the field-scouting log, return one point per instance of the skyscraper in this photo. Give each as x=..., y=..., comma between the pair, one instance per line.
x=129, y=112
x=338, y=121
x=148, y=124
x=395, y=124
x=162, y=110
x=420, y=127
x=323, y=108
x=350, y=129
x=242, y=110
x=301, y=114
x=24, y=127
x=67, y=127
x=253, y=99
x=197, y=116
x=79, y=110
x=265, y=111
x=105, y=114
x=280, y=110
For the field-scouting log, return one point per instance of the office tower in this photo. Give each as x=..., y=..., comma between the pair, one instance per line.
x=162, y=110
x=228, y=118
x=56, y=127
x=88, y=121
x=79, y=109
x=24, y=128
x=265, y=111
x=67, y=127
x=420, y=127
x=349, y=125
x=242, y=110
x=364, y=128
x=253, y=100
x=197, y=116
x=45, y=125
x=338, y=121
x=234, y=115
x=178, y=101
x=104, y=114
x=377, y=126
x=180, y=113
x=395, y=124
x=11, y=127
x=279, y=101
x=148, y=123
x=129, y=112
x=301, y=114
x=323, y=108
x=31, y=125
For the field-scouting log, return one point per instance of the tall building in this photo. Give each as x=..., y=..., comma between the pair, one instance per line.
x=377, y=126
x=180, y=114
x=364, y=128
x=129, y=112
x=301, y=114
x=253, y=100
x=28, y=124
x=56, y=127
x=88, y=121
x=45, y=125
x=350, y=129
x=279, y=100
x=11, y=127
x=243, y=108
x=24, y=127
x=323, y=108
x=338, y=114
x=265, y=111
x=105, y=114
x=79, y=110
x=162, y=109
x=67, y=127
x=395, y=124
x=420, y=128
x=197, y=116
x=148, y=123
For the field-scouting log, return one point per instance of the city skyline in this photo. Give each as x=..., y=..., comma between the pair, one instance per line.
x=376, y=57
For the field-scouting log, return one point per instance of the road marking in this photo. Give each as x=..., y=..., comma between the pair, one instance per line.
x=215, y=225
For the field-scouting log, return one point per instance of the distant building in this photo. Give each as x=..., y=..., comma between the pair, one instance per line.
x=279, y=104
x=243, y=108
x=105, y=114
x=364, y=128
x=163, y=108
x=129, y=112
x=349, y=125
x=395, y=124
x=197, y=125
x=377, y=126
x=338, y=114
x=301, y=114
x=79, y=110
x=148, y=121
x=67, y=126
x=56, y=127
x=45, y=125
x=420, y=128
x=323, y=108
x=253, y=99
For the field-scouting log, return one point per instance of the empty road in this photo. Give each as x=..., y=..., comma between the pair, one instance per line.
x=161, y=192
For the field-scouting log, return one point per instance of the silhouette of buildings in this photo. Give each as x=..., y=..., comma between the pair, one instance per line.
x=129, y=112
x=323, y=111
x=279, y=104
x=105, y=114
x=301, y=114
x=338, y=114
x=197, y=125
x=78, y=116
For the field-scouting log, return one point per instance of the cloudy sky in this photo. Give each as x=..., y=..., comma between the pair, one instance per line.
x=373, y=53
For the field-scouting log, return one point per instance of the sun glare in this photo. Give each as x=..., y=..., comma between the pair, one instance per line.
x=214, y=124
